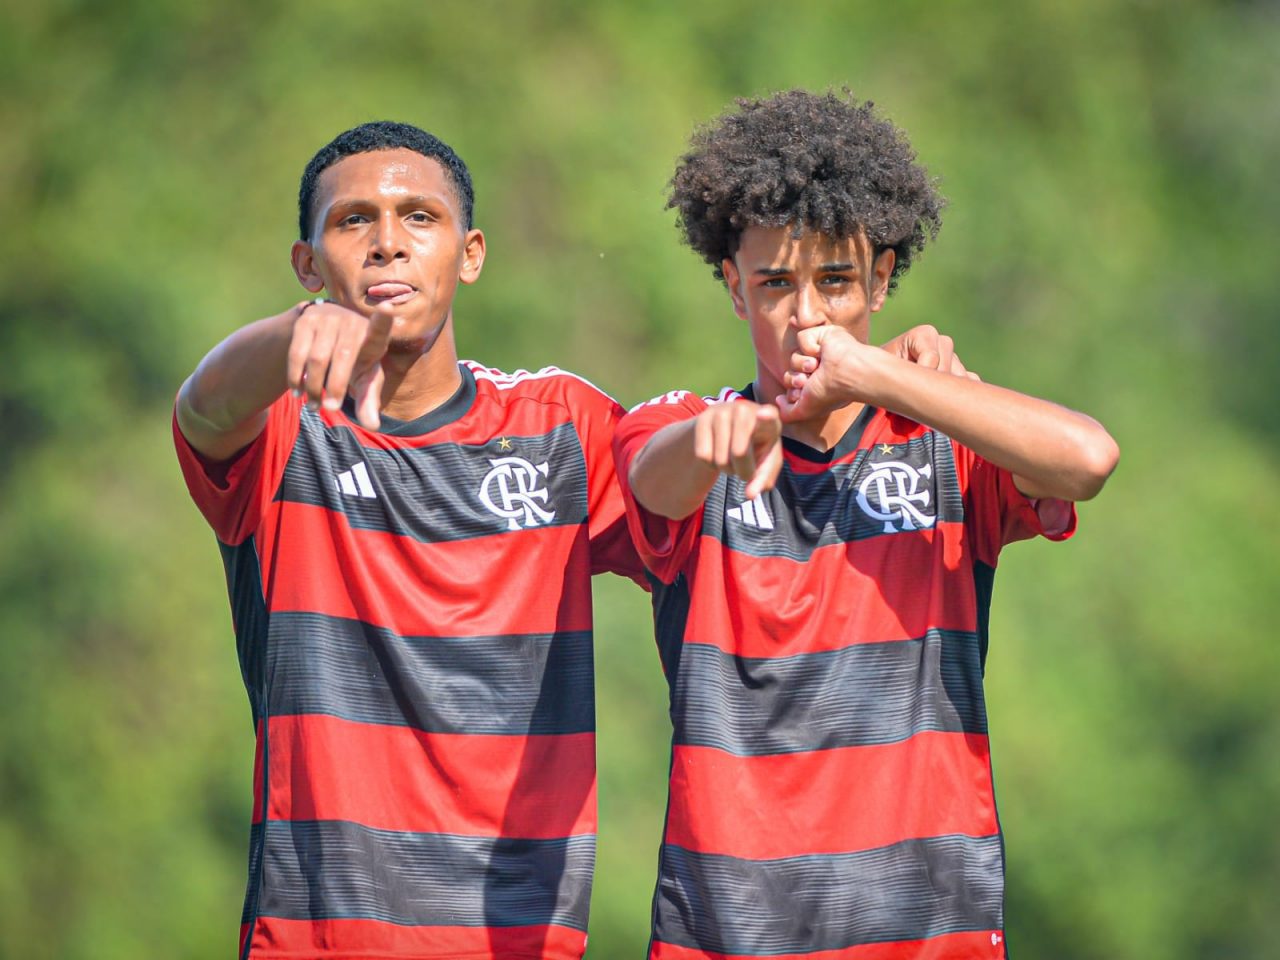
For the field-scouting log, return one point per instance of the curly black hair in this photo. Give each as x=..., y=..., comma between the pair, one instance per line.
x=818, y=162
x=383, y=135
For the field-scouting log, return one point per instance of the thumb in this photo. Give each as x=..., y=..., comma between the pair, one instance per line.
x=768, y=423
x=809, y=340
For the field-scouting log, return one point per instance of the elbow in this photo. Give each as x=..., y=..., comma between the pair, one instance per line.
x=1097, y=459
x=199, y=412
x=193, y=406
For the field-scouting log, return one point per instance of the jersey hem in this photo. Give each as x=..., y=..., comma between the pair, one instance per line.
x=260, y=955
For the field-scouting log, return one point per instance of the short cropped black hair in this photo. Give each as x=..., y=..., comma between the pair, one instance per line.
x=820, y=162
x=383, y=135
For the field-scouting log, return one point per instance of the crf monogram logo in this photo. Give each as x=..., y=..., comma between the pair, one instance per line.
x=511, y=490
x=894, y=494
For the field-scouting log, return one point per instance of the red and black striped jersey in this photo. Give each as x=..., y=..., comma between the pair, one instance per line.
x=412, y=611
x=831, y=790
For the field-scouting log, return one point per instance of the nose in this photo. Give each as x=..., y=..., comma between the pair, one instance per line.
x=809, y=308
x=387, y=241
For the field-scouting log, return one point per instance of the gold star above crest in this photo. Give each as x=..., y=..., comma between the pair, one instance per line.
x=504, y=443
x=886, y=448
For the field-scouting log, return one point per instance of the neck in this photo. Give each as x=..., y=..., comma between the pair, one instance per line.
x=420, y=375
x=824, y=432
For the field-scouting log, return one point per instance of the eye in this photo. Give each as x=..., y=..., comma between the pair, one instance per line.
x=777, y=282
x=419, y=216
x=353, y=219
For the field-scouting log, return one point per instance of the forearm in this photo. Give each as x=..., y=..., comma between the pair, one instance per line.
x=1051, y=451
x=221, y=407
x=666, y=477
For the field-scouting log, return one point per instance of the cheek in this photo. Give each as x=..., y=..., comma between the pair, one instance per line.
x=332, y=262
x=443, y=260
x=770, y=331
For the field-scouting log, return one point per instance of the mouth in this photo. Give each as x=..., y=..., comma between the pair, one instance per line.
x=390, y=292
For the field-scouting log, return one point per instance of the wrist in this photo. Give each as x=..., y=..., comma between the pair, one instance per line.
x=879, y=376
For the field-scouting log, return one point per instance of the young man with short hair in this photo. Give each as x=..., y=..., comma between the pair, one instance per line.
x=409, y=570
x=822, y=546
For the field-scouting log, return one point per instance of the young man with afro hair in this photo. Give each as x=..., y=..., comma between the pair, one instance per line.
x=822, y=544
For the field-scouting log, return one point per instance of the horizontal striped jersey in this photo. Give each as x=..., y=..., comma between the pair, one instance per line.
x=412, y=610
x=831, y=790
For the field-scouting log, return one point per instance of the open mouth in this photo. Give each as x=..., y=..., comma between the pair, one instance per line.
x=390, y=292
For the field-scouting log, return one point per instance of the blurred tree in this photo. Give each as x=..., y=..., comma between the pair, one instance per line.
x=1110, y=242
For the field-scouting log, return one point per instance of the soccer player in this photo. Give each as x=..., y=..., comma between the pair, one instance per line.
x=822, y=545
x=409, y=570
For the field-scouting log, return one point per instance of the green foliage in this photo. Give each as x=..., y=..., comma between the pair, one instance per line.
x=1110, y=243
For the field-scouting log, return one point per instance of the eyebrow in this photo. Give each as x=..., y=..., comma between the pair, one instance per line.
x=417, y=200
x=840, y=267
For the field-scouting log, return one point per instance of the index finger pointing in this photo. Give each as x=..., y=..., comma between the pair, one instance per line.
x=380, y=326
x=377, y=337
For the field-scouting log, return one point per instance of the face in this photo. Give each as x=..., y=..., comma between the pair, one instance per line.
x=781, y=284
x=388, y=230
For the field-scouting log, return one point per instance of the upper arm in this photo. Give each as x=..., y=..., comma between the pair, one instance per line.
x=206, y=436
x=233, y=491
x=663, y=543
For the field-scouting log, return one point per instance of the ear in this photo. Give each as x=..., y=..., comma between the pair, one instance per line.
x=733, y=280
x=881, y=271
x=305, y=267
x=472, y=256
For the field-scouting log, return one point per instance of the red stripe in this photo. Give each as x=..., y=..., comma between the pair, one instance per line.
x=420, y=589
x=532, y=409
x=773, y=606
x=276, y=939
x=830, y=801
x=882, y=428
x=976, y=945
x=397, y=778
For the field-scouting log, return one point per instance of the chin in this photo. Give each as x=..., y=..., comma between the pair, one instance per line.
x=417, y=343
x=410, y=345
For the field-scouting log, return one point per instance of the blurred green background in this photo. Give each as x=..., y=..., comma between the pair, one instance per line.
x=1111, y=242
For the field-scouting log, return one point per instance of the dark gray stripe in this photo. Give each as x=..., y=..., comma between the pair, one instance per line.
x=909, y=891
x=250, y=617
x=433, y=493
x=254, y=886
x=525, y=684
x=863, y=694
x=336, y=870
x=808, y=511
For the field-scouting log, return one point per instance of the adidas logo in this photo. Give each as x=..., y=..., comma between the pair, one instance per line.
x=355, y=482
x=753, y=513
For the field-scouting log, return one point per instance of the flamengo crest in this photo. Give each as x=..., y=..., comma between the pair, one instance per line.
x=513, y=489
x=894, y=494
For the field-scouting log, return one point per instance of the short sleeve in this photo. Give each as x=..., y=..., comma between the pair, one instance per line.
x=596, y=415
x=233, y=494
x=665, y=545
x=998, y=513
